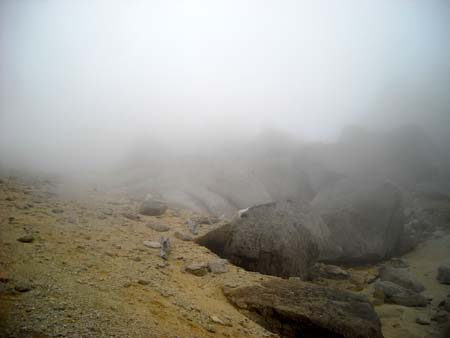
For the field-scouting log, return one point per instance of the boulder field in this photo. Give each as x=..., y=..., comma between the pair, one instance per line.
x=357, y=221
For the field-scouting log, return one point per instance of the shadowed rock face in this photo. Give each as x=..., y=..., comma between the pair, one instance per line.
x=271, y=238
x=364, y=218
x=401, y=277
x=358, y=221
x=396, y=294
x=298, y=309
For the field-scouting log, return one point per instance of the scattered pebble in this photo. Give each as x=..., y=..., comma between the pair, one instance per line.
x=23, y=286
x=158, y=226
x=218, y=266
x=183, y=236
x=131, y=217
x=152, y=244
x=197, y=269
x=216, y=319
x=165, y=248
x=143, y=282
x=26, y=238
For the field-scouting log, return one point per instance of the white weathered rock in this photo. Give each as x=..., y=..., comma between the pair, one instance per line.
x=152, y=244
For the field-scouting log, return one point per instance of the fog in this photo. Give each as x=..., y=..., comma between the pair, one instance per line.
x=86, y=85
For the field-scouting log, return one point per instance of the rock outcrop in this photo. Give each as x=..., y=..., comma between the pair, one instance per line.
x=396, y=294
x=363, y=218
x=297, y=309
x=356, y=221
x=401, y=277
x=271, y=238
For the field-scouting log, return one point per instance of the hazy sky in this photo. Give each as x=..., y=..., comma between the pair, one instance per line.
x=80, y=79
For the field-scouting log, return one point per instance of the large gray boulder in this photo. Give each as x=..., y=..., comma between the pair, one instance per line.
x=401, y=277
x=293, y=308
x=396, y=294
x=363, y=218
x=356, y=221
x=271, y=238
x=152, y=207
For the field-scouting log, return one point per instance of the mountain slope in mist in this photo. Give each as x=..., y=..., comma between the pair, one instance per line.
x=275, y=167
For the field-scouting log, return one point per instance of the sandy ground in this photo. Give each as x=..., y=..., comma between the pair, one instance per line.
x=400, y=321
x=91, y=276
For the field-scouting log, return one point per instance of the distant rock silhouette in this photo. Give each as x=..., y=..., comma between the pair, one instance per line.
x=152, y=207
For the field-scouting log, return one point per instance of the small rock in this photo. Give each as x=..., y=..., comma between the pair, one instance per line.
x=423, y=320
x=216, y=319
x=165, y=293
x=197, y=269
x=206, y=219
x=57, y=211
x=23, y=286
x=152, y=244
x=161, y=265
x=130, y=216
x=158, y=226
x=192, y=226
x=26, y=239
x=210, y=328
x=218, y=266
x=152, y=207
x=231, y=285
x=143, y=282
x=183, y=236
x=331, y=271
x=165, y=248
x=126, y=284
x=444, y=273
